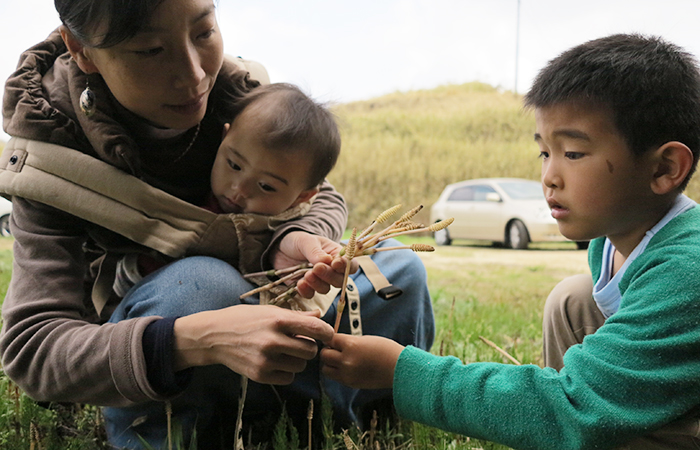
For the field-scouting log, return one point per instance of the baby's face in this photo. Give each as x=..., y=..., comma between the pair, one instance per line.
x=248, y=177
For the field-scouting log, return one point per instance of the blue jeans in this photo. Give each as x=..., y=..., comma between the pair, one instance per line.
x=210, y=401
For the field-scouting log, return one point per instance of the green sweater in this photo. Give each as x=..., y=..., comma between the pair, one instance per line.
x=639, y=371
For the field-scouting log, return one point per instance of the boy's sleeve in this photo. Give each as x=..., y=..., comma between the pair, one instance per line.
x=638, y=372
x=491, y=401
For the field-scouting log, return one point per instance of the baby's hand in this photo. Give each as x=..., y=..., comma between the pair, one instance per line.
x=299, y=247
x=361, y=362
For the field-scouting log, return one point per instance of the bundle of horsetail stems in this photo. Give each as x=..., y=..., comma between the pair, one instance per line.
x=358, y=245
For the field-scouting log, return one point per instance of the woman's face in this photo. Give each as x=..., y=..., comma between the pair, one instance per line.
x=166, y=71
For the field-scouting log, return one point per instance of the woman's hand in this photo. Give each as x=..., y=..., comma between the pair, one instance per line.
x=361, y=362
x=299, y=247
x=267, y=344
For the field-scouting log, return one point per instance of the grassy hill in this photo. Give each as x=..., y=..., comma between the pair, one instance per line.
x=405, y=147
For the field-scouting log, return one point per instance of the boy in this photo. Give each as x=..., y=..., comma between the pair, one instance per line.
x=618, y=127
x=275, y=154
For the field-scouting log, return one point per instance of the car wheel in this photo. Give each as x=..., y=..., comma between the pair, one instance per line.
x=442, y=237
x=517, y=236
x=5, y=225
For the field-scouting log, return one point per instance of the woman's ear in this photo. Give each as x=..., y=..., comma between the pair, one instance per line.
x=78, y=51
x=673, y=162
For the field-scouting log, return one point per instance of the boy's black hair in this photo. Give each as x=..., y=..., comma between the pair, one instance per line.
x=295, y=122
x=651, y=86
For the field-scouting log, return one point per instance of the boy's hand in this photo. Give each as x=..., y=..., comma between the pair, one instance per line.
x=361, y=362
x=299, y=247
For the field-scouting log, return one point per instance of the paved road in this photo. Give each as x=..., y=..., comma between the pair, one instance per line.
x=454, y=255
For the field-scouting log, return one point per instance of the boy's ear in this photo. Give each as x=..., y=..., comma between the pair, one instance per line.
x=305, y=196
x=78, y=51
x=673, y=161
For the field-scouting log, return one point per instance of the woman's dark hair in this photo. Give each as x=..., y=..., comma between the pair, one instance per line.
x=104, y=23
x=293, y=121
x=651, y=86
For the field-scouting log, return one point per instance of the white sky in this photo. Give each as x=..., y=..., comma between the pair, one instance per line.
x=341, y=51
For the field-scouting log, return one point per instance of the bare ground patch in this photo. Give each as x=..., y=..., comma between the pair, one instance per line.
x=566, y=260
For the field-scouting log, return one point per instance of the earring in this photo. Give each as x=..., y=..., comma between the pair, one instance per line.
x=87, y=100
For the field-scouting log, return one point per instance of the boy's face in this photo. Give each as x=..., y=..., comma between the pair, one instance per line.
x=247, y=177
x=593, y=183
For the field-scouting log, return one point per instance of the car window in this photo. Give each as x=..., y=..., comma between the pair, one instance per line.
x=481, y=191
x=462, y=194
x=473, y=193
x=520, y=190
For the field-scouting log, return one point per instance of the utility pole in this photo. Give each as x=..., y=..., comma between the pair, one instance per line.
x=517, y=48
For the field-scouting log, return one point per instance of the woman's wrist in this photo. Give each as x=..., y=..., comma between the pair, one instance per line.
x=188, y=350
x=159, y=354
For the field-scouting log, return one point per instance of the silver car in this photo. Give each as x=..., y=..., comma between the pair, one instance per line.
x=511, y=211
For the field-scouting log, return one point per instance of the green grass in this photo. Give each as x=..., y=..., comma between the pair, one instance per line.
x=499, y=301
x=400, y=148
x=5, y=268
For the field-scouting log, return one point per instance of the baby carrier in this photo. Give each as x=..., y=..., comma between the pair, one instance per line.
x=75, y=182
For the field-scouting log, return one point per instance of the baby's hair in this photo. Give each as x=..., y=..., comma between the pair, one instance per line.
x=651, y=87
x=295, y=122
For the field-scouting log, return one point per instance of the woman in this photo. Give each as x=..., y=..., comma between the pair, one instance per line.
x=143, y=86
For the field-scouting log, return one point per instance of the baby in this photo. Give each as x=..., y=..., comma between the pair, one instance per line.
x=273, y=156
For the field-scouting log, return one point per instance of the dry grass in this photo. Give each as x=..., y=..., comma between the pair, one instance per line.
x=405, y=147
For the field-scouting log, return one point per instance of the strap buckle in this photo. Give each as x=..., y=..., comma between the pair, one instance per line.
x=389, y=292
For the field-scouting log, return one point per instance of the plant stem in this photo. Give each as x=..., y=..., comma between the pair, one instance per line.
x=350, y=253
x=269, y=286
x=500, y=350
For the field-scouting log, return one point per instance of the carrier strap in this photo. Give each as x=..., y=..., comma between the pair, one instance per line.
x=381, y=285
x=75, y=182
x=97, y=192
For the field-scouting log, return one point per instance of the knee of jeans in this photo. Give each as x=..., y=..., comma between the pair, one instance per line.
x=402, y=267
x=212, y=275
x=206, y=271
x=201, y=265
x=185, y=287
